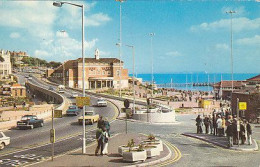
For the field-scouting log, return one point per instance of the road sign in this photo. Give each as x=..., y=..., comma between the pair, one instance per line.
x=58, y=114
x=242, y=105
x=82, y=101
x=52, y=135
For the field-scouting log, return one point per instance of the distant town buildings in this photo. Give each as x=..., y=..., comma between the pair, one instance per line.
x=5, y=64
x=17, y=58
x=99, y=73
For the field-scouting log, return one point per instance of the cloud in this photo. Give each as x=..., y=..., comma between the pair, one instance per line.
x=250, y=41
x=42, y=54
x=104, y=53
x=15, y=35
x=239, y=24
x=97, y=19
x=221, y=46
x=34, y=16
x=173, y=54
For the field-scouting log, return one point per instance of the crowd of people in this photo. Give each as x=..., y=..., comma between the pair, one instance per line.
x=237, y=130
x=102, y=136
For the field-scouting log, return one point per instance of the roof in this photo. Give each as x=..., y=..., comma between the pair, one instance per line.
x=229, y=84
x=255, y=78
x=100, y=60
x=17, y=86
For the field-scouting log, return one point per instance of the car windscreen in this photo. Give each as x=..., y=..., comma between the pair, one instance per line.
x=72, y=107
x=101, y=100
x=26, y=118
x=89, y=113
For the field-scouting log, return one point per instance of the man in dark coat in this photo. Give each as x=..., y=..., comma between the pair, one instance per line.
x=206, y=123
x=229, y=133
x=199, y=124
x=100, y=123
x=100, y=139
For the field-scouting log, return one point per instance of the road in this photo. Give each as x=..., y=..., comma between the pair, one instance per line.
x=31, y=145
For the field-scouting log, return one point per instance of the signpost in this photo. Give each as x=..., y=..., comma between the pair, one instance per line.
x=126, y=104
x=242, y=105
x=58, y=114
x=82, y=101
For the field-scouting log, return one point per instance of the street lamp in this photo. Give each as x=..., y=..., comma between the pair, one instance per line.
x=59, y=4
x=63, y=33
x=133, y=52
x=120, y=48
x=152, y=35
x=231, y=48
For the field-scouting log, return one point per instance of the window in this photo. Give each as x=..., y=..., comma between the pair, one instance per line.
x=109, y=73
x=104, y=72
x=21, y=92
x=117, y=72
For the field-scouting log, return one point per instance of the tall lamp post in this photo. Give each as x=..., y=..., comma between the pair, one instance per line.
x=152, y=35
x=59, y=4
x=63, y=32
x=133, y=78
x=231, y=48
x=120, y=48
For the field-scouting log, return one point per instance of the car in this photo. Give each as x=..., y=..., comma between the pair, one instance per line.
x=29, y=121
x=51, y=88
x=4, y=140
x=73, y=110
x=74, y=94
x=101, y=102
x=90, y=118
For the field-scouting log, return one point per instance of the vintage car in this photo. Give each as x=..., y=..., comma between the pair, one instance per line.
x=29, y=121
x=74, y=94
x=90, y=118
x=73, y=110
x=4, y=140
x=101, y=102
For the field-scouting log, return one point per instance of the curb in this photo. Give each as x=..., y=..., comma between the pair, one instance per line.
x=167, y=157
x=133, y=120
x=222, y=145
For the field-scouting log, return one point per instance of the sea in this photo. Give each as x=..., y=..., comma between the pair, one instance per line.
x=182, y=78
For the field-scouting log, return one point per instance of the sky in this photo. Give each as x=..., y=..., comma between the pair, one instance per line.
x=190, y=36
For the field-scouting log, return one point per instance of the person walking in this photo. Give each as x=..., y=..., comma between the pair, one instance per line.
x=235, y=135
x=223, y=126
x=242, y=133
x=229, y=132
x=206, y=123
x=215, y=126
x=211, y=124
x=100, y=139
x=107, y=126
x=100, y=122
x=219, y=125
x=199, y=124
x=249, y=133
x=105, y=141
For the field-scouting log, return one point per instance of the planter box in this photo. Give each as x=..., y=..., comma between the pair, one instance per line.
x=124, y=148
x=157, y=143
x=152, y=151
x=134, y=156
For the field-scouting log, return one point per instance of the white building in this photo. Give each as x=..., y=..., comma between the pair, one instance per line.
x=5, y=65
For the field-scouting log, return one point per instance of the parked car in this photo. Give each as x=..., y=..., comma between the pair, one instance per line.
x=90, y=118
x=29, y=121
x=73, y=110
x=4, y=140
x=74, y=94
x=101, y=102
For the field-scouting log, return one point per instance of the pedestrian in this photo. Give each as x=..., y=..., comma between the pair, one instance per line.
x=215, y=126
x=219, y=125
x=24, y=104
x=100, y=139
x=15, y=107
x=211, y=124
x=223, y=126
x=229, y=132
x=100, y=122
x=235, y=133
x=199, y=124
x=249, y=133
x=107, y=126
x=105, y=141
x=242, y=132
x=206, y=123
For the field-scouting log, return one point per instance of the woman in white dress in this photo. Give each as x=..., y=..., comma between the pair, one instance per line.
x=105, y=142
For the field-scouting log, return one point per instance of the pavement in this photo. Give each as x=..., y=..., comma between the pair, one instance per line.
x=113, y=159
x=223, y=142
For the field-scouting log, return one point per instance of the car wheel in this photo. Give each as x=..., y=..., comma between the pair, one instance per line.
x=32, y=126
x=2, y=146
x=41, y=125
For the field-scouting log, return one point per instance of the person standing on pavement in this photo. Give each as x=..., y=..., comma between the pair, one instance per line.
x=223, y=126
x=229, y=133
x=100, y=138
x=215, y=126
x=105, y=141
x=219, y=125
x=249, y=133
x=199, y=124
x=206, y=123
x=211, y=124
x=107, y=126
x=242, y=132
